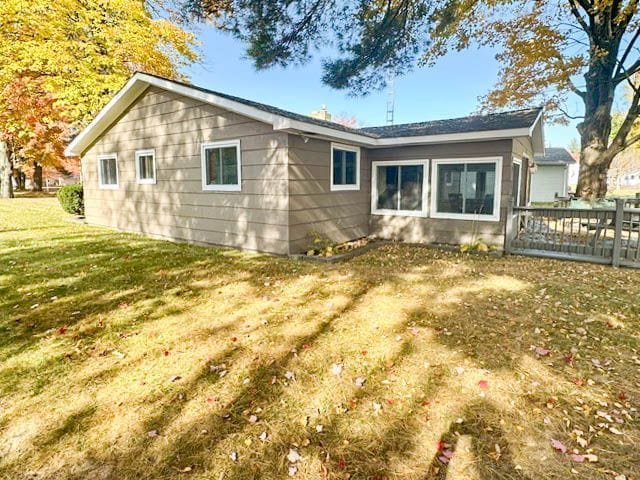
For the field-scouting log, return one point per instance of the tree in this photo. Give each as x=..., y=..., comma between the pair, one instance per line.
x=35, y=128
x=548, y=51
x=83, y=51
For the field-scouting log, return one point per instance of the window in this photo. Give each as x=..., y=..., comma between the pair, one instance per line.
x=399, y=188
x=517, y=180
x=108, y=171
x=467, y=189
x=221, y=166
x=146, y=166
x=345, y=167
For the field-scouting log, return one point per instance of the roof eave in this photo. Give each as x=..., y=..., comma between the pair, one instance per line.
x=140, y=82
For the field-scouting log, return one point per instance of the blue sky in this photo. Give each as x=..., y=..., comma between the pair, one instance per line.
x=450, y=89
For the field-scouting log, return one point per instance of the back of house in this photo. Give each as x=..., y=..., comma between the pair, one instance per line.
x=185, y=163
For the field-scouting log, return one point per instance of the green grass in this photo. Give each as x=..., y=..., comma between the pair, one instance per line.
x=95, y=325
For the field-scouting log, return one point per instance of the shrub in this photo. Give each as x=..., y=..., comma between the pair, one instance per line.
x=71, y=198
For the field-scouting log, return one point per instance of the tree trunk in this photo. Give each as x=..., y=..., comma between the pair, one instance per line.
x=21, y=180
x=595, y=130
x=6, y=185
x=37, y=177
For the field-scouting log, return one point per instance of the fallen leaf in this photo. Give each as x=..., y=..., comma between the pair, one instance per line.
x=174, y=378
x=483, y=384
x=152, y=433
x=233, y=456
x=263, y=436
x=558, y=445
x=336, y=369
x=293, y=456
x=253, y=418
x=360, y=381
x=577, y=458
x=541, y=351
x=293, y=470
x=289, y=376
x=615, y=431
x=591, y=457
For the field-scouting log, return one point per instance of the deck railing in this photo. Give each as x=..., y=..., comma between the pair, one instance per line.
x=610, y=236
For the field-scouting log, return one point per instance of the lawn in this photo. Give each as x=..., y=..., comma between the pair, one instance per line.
x=124, y=357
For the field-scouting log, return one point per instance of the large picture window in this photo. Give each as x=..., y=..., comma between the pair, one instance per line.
x=345, y=167
x=399, y=188
x=466, y=188
x=108, y=171
x=221, y=166
x=146, y=166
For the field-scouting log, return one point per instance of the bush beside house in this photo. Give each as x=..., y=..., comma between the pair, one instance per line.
x=71, y=198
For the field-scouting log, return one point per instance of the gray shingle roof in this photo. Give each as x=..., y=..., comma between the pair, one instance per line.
x=555, y=156
x=476, y=123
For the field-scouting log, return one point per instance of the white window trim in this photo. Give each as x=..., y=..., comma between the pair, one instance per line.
x=518, y=161
x=425, y=188
x=349, y=148
x=467, y=216
x=141, y=153
x=107, y=186
x=203, y=163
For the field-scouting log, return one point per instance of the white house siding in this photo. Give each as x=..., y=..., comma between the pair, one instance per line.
x=548, y=181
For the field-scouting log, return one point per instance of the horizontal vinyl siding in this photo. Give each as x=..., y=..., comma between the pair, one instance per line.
x=337, y=215
x=440, y=230
x=176, y=207
x=547, y=181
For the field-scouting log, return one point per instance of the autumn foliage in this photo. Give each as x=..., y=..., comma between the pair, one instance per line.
x=34, y=126
x=63, y=61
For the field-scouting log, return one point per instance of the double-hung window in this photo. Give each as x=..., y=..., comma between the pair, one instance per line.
x=108, y=171
x=466, y=188
x=146, y=166
x=221, y=166
x=345, y=167
x=400, y=188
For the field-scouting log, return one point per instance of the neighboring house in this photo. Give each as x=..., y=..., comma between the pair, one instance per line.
x=631, y=179
x=182, y=162
x=550, y=177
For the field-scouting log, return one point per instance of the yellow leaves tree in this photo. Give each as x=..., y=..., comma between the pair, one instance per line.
x=83, y=51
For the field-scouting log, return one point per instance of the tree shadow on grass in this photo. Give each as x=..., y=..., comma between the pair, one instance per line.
x=492, y=457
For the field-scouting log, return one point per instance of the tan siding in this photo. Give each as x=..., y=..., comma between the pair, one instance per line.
x=176, y=207
x=338, y=215
x=437, y=230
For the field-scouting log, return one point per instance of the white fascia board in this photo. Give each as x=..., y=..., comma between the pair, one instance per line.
x=111, y=111
x=313, y=130
x=132, y=90
x=453, y=137
x=140, y=81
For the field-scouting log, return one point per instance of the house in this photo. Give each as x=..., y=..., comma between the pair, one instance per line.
x=181, y=162
x=550, y=177
x=631, y=179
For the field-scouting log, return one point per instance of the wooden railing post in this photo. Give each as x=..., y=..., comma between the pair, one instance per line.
x=508, y=233
x=617, y=233
x=637, y=204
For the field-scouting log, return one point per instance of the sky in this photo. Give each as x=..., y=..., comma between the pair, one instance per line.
x=449, y=89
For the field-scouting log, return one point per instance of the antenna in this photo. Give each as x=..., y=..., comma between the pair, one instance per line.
x=391, y=96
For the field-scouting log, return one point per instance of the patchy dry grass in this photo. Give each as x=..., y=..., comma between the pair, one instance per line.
x=123, y=357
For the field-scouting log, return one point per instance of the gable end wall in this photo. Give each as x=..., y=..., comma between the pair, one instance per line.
x=176, y=207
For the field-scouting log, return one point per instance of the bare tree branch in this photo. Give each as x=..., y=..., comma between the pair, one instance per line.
x=620, y=141
x=572, y=117
x=626, y=53
x=579, y=18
